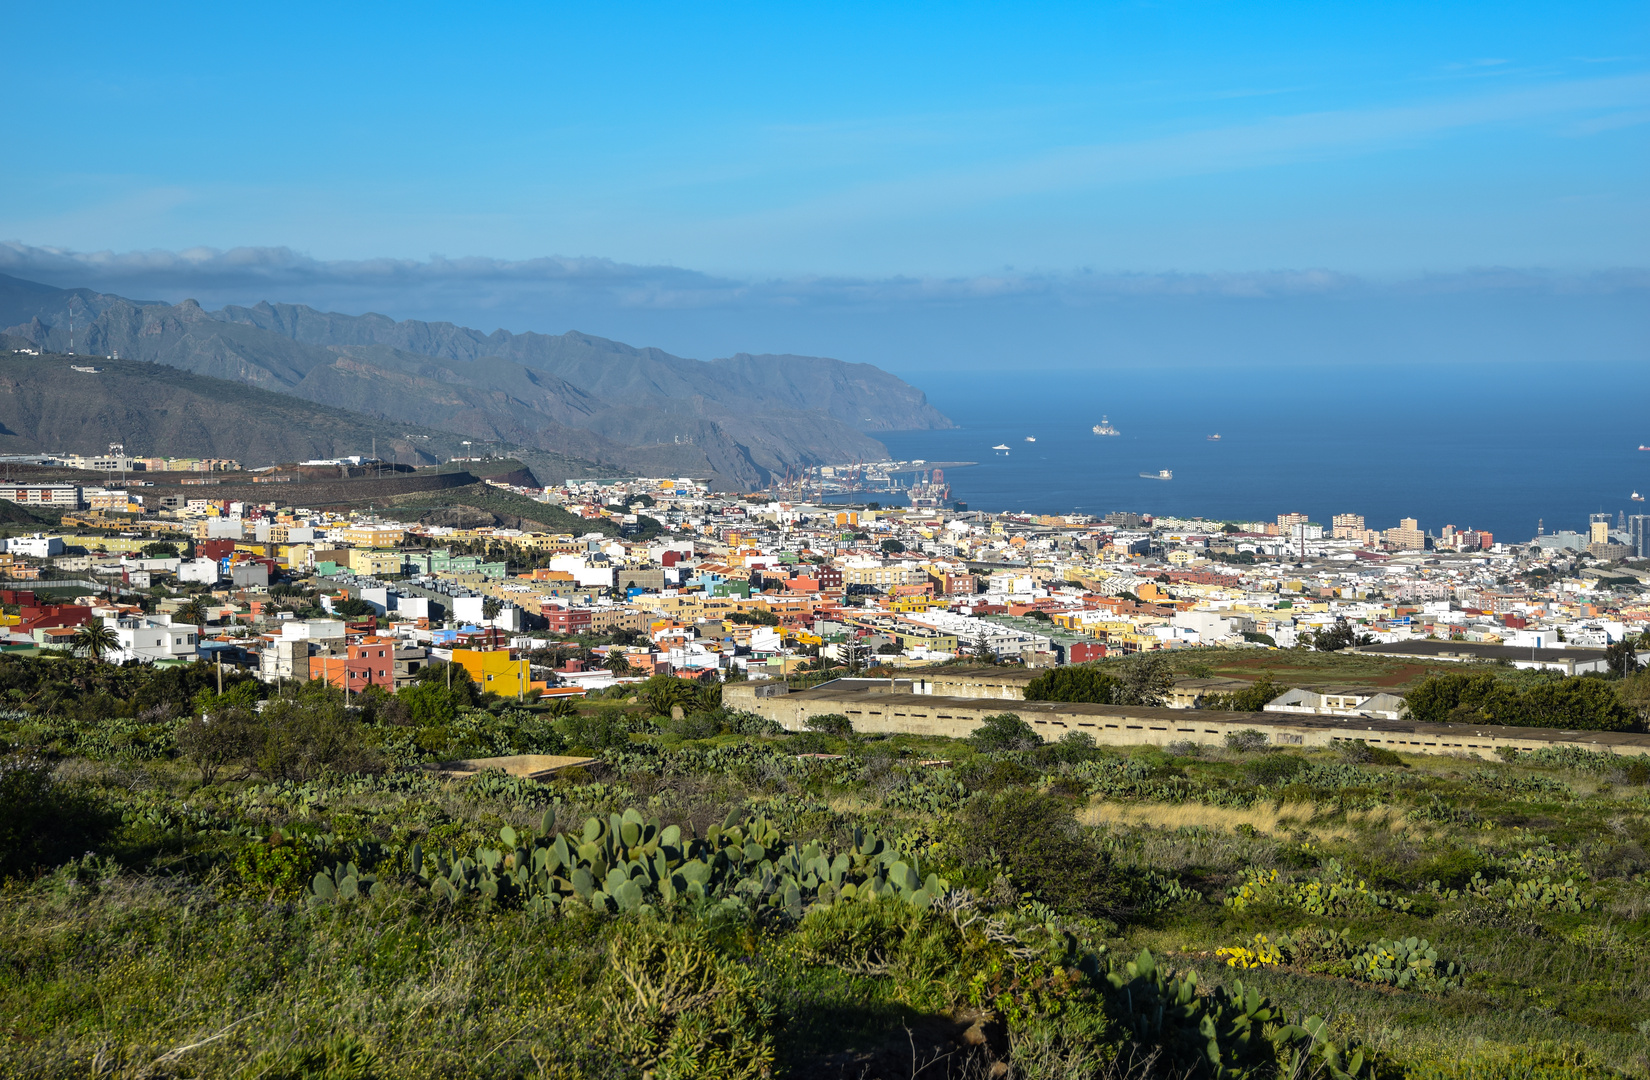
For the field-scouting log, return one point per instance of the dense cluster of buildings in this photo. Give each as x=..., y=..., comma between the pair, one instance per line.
x=733, y=585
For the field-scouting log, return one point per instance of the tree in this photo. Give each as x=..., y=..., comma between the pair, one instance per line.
x=95, y=638
x=306, y=734
x=1634, y=694
x=852, y=651
x=229, y=737
x=192, y=613
x=617, y=663
x=1252, y=698
x=892, y=547
x=1621, y=656
x=1144, y=679
x=1087, y=684
x=353, y=608
x=1339, y=636
x=983, y=650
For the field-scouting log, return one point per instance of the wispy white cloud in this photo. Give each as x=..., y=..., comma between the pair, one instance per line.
x=1276, y=141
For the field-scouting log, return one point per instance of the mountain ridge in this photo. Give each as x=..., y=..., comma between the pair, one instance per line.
x=741, y=419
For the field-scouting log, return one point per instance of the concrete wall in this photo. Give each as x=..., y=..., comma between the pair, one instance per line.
x=998, y=684
x=1113, y=725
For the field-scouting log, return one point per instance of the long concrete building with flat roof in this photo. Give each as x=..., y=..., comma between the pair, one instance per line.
x=891, y=706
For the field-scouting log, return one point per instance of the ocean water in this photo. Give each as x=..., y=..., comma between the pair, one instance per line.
x=1474, y=446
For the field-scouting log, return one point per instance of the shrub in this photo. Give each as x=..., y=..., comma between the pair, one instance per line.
x=601, y=730
x=830, y=724
x=1005, y=731
x=1247, y=741
x=1074, y=746
x=1580, y=703
x=1358, y=752
x=1036, y=839
x=42, y=821
x=276, y=868
x=676, y=1007
x=740, y=722
x=307, y=734
x=699, y=725
x=1274, y=769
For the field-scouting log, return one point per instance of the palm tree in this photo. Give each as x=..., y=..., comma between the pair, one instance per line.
x=560, y=708
x=490, y=609
x=192, y=612
x=667, y=693
x=95, y=638
x=617, y=663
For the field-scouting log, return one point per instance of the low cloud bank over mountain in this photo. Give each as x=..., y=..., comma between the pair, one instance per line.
x=913, y=325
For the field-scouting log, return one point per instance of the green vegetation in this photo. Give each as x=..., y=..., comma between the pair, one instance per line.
x=1141, y=679
x=1585, y=704
x=506, y=506
x=286, y=889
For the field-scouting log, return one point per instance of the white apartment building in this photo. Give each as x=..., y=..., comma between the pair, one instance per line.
x=66, y=496
x=149, y=638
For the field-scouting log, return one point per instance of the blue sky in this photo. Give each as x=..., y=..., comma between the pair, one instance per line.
x=863, y=144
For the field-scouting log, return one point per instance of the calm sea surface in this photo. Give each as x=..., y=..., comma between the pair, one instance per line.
x=1476, y=447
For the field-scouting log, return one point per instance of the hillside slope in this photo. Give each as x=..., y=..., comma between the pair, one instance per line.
x=740, y=419
x=46, y=406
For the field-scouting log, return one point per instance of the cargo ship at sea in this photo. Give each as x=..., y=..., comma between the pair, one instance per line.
x=1161, y=474
x=1104, y=427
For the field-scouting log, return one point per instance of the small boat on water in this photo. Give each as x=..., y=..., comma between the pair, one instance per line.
x=1031, y=438
x=1643, y=447
x=1215, y=437
x=1161, y=474
x=1636, y=497
x=1001, y=446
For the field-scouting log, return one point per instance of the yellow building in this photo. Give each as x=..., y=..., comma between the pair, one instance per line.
x=370, y=563
x=373, y=536
x=494, y=671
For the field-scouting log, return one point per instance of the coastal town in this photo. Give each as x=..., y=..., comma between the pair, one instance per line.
x=665, y=576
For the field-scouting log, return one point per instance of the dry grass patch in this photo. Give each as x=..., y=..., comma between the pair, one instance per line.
x=1274, y=818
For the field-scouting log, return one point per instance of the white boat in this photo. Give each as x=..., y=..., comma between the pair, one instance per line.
x=1104, y=427
x=1214, y=438
x=1161, y=474
x=1636, y=497
x=1031, y=438
x=1001, y=446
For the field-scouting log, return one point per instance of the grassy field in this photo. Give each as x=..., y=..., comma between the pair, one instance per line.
x=158, y=925
x=1309, y=669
